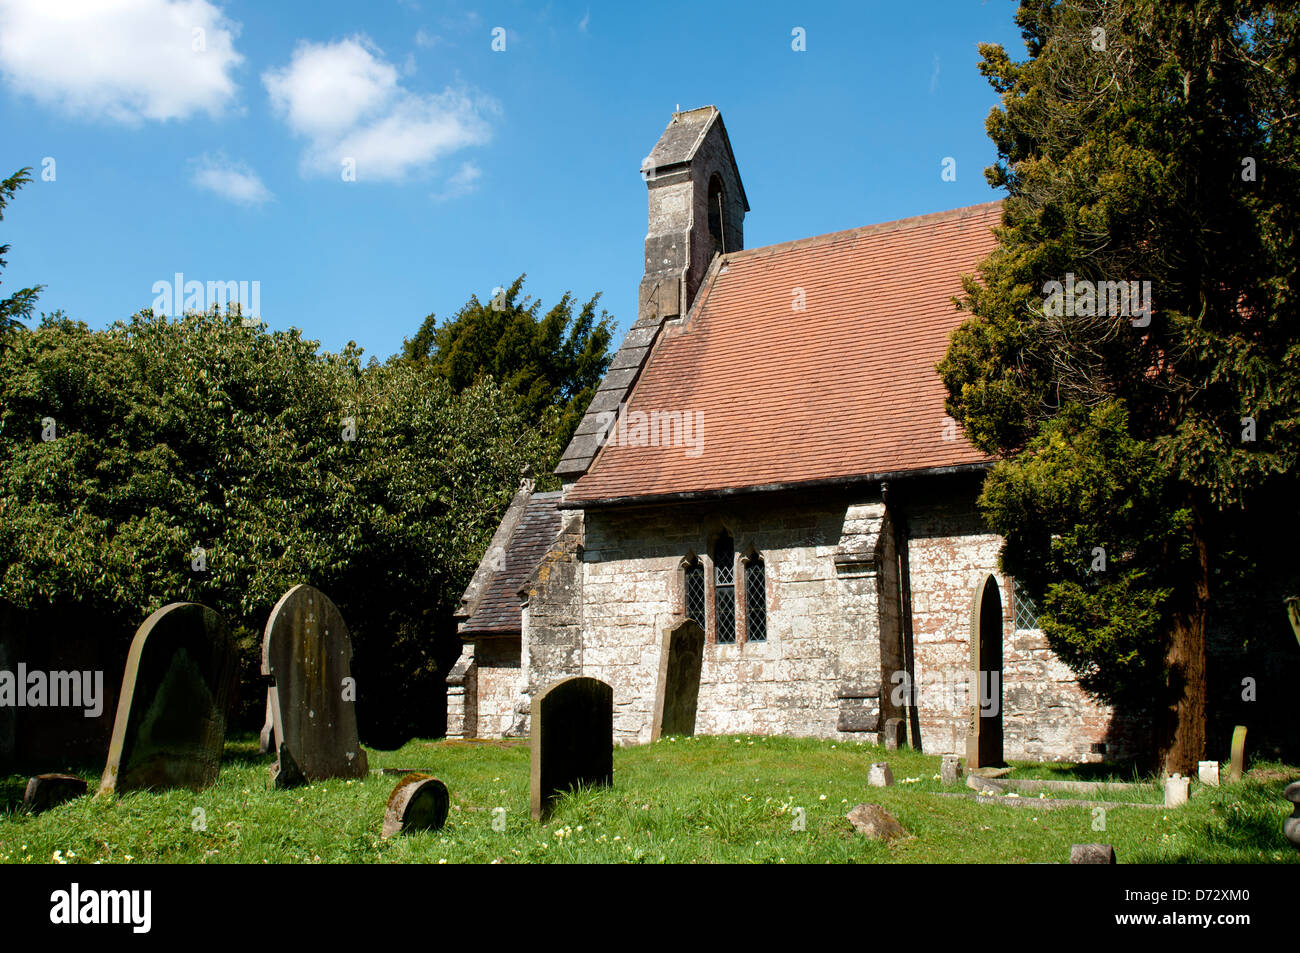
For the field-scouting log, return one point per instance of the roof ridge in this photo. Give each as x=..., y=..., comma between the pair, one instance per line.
x=878, y=228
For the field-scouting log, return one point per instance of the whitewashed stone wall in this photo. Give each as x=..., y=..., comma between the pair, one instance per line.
x=820, y=630
x=1046, y=716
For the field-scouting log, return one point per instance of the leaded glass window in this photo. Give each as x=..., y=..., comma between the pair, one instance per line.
x=694, y=571
x=1026, y=609
x=724, y=589
x=755, y=600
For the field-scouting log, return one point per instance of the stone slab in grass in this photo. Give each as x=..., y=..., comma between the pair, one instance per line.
x=874, y=822
x=176, y=693
x=1045, y=803
x=418, y=803
x=50, y=790
x=1092, y=854
x=307, y=653
x=1082, y=787
x=572, y=740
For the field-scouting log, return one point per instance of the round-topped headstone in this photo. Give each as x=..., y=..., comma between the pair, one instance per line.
x=418, y=803
x=1291, y=826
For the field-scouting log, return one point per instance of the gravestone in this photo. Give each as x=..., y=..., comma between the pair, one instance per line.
x=1291, y=826
x=1208, y=773
x=50, y=790
x=1177, y=789
x=874, y=822
x=949, y=769
x=308, y=655
x=177, y=689
x=1092, y=854
x=572, y=740
x=418, y=803
x=894, y=733
x=880, y=776
x=1238, y=764
x=678, y=689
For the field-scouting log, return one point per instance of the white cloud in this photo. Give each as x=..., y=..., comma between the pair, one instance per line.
x=124, y=60
x=231, y=180
x=462, y=183
x=586, y=18
x=427, y=40
x=347, y=102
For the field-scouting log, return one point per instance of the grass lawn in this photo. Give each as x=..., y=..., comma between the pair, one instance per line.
x=687, y=800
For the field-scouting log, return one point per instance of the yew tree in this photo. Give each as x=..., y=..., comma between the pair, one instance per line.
x=1139, y=141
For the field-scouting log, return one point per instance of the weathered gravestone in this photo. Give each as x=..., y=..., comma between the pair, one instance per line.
x=949, y=769
x=418, y=803
x=572, y=739
x=895, y=734
x=1092, y=854
x=678, y=692
x=50, y=790
x=874, y=822
x=880, y=776
x=177, y=689
x=1177, y=789
x=1238, y=763
x=1208, y=773
x=1291, y=826
x=307, y=653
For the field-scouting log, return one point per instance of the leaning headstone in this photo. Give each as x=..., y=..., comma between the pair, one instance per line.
x=873, y=821
x=894, y=734
x=880, y=776
x=678, y=691
x=1291, y=826
x=307, y=653
x=1237, y=766
x=177, y=689
x=572, y=740
x=949, y=769
x=50, y=790
x=1208, y=773
x=1092, y=854
x=1177, y=789
x=418, y=803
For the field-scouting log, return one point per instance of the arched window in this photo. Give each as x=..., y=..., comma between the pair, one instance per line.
x=717, y=202
x=693, y=588
x=724, y=589
x=755, y=599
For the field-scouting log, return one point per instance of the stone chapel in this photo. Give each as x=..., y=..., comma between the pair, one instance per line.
x=769, y=455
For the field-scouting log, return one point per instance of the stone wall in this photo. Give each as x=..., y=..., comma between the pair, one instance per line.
x=1046, y=716
x=821, y=630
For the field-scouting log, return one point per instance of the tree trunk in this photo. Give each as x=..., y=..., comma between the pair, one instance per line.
x=1182, y=738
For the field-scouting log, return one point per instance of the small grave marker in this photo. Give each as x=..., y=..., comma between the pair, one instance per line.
x=880, y=776
x=572, y=740
x=418, y=803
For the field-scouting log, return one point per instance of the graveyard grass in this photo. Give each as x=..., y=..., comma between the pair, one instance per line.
x=683, y=800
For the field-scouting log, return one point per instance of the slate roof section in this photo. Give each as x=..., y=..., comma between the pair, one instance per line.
x=682, y=139
x=498, y=611
x=844, y=389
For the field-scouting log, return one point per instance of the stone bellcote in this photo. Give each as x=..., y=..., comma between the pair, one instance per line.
x=697, y=210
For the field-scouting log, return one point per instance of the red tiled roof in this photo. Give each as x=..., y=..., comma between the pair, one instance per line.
x=845, y=388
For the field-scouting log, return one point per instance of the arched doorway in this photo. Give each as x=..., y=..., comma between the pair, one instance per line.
x=984, y=729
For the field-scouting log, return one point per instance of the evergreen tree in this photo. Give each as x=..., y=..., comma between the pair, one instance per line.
x=1140, y=141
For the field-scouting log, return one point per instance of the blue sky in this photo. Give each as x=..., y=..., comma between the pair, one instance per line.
x=473, y=165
